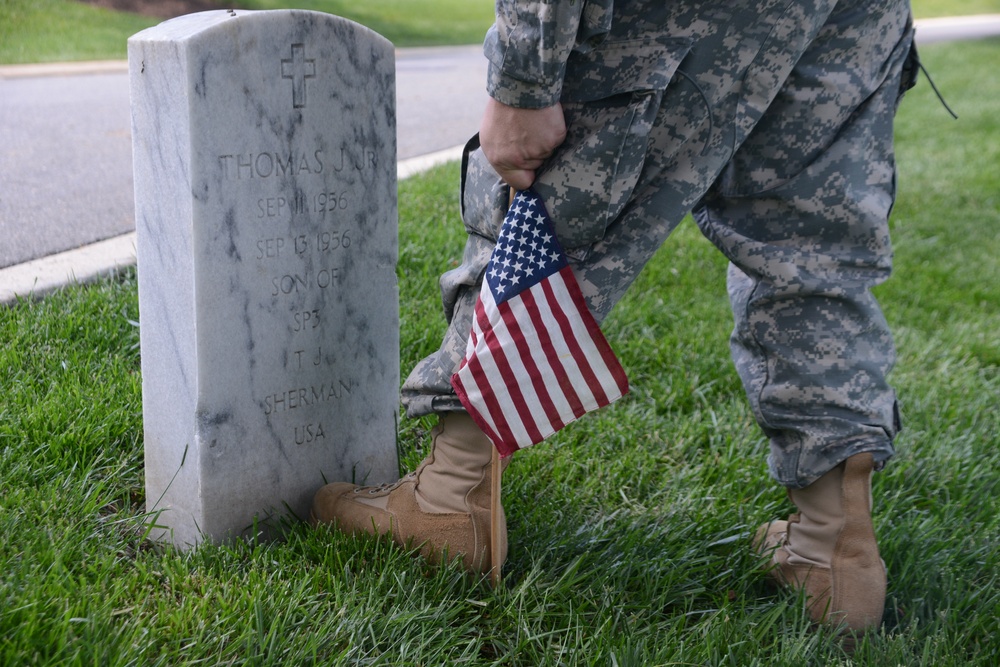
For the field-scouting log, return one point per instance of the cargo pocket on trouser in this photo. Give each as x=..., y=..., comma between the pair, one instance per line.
x=611, y=97
x=484, y=197
x=428, y=389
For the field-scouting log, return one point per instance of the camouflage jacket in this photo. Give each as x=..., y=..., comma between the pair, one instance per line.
x=530, y=43
x=579, y=52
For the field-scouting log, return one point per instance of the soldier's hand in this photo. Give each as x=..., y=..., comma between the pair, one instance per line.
x=517, y=141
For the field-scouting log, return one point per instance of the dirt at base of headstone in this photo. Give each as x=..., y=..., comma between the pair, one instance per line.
x=164, y=9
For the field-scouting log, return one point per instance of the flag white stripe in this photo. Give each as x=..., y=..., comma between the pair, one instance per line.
x=537, y=351
x=491, y=382
x=522, y=376
x=490, y=386
x=573, y=372
x=587, y=343
x=470, y=379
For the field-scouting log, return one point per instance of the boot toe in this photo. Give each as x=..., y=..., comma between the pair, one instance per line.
x=327, y=500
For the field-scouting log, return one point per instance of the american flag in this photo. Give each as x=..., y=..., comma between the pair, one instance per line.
x=536, y=359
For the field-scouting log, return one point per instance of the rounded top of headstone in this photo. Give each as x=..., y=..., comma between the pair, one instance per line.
x=189, y=26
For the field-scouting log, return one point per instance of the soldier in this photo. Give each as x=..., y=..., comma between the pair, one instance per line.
x=772, y=122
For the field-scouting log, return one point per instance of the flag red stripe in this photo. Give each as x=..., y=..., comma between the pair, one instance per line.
x=553, y=304
x=463, y=395
x=481, y=380
x=463, y=392
x=557, y=298
x=551, y=353
x=473, y=388
x=536, y=376
x=510, y=381
x=501, y=436
x=599, y=354
x=574, y=345
x=611, y=362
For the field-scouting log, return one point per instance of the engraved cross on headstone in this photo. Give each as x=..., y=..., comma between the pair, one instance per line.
x=298, y=69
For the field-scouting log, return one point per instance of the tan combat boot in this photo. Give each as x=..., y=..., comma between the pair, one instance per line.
x=828, y=550
x=442, y=507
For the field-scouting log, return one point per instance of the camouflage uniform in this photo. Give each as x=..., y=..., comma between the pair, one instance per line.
x=772, y=122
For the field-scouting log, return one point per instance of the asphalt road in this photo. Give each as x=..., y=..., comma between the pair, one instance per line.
x=66, y=162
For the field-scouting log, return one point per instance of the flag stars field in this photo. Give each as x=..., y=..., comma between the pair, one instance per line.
x=521, y=247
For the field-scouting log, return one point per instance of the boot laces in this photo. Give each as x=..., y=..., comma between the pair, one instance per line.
x=382, y=488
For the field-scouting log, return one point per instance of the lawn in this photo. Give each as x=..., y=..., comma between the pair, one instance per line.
x=64, y=30
x=628, y=530
x=929, y=8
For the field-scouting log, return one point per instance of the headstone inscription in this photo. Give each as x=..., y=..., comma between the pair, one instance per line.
x=264, y=152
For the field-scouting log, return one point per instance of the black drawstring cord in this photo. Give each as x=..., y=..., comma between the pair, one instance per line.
x=935, y=89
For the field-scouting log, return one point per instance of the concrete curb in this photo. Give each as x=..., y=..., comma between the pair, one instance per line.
x=34, y=279
x=949, y=28
x=62, y=69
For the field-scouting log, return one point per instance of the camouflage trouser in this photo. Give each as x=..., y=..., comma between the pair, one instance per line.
x=773, y=124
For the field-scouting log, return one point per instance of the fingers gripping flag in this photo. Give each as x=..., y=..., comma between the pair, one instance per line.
x=536, y=359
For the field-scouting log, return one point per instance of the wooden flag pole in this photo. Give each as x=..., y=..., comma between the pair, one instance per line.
x=495, y=555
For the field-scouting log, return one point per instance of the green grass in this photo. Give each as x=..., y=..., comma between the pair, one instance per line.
x=405, y=22
x=63, y=30
x=39, y=31
x=929, y=8
x=628, y=529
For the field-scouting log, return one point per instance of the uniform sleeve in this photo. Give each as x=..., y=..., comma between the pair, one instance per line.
x=530, y=42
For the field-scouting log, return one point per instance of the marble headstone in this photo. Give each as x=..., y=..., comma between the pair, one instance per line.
x=264, y=149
